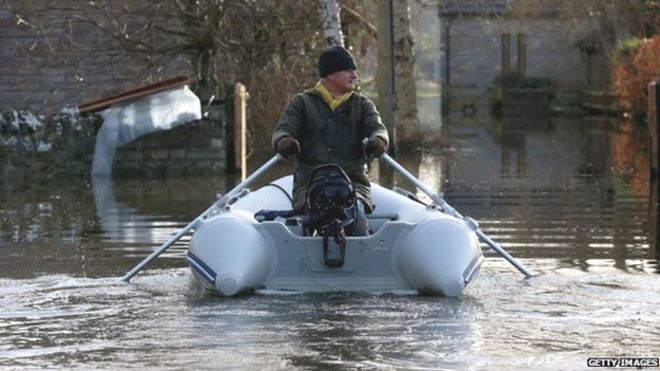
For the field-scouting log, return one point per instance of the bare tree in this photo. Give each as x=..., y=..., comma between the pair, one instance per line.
x=270, y=46
x=329, y=10
x=404, y=103
x=266, y=45
x=406, y=113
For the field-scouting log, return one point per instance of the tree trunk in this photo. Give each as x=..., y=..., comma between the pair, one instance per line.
x=384, y=78
x=405, y=115
x=385, y=85
x=331, y=24
x=400, y=110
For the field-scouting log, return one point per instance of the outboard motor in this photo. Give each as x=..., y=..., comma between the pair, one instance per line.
x=330, y=209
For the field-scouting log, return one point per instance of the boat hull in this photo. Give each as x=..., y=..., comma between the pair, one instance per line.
x=413, y=247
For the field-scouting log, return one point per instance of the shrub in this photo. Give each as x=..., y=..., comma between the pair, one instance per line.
x=635, y=64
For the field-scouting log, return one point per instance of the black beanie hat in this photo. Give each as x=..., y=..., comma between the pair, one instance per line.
x=336, y=58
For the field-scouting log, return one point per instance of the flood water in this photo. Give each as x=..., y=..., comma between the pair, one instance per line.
x=568, y=196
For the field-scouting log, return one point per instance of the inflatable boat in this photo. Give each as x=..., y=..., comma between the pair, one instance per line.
x=239, y=245
x=411, y=246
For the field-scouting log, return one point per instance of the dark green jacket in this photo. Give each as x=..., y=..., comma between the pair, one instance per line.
x=327, y=136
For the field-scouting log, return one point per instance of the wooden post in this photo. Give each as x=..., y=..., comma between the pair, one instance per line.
x=654, y=96
x=240, y=139
x=522, y=55
x=506, y=54
x=654, y=191
x=446, y=83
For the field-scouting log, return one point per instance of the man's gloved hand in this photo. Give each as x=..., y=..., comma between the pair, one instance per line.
x=287, y=146
x=375, y=147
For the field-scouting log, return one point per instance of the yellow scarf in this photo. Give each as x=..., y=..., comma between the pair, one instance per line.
x=332, y=102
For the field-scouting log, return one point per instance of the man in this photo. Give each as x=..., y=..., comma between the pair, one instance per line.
x=327, y=124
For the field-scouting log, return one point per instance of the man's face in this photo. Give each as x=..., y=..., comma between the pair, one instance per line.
x=343, y=81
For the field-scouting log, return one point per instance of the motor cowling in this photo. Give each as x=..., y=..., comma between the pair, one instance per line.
x=330, y=210
x=330, y=197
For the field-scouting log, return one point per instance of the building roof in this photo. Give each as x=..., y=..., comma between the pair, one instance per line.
x=480, y=8
x=450, y=8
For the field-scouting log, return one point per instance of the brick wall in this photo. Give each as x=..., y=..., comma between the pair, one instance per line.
x=53, y=56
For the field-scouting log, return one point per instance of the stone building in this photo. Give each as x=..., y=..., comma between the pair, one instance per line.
x=482, y=41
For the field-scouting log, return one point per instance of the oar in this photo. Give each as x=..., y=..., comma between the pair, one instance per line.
x=221, y=202
x=451, y=211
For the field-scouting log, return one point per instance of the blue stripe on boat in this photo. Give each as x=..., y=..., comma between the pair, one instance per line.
x=472, y=269
x=201, y=268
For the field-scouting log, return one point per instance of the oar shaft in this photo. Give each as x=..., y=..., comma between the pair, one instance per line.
x=503, y=253
x=218, y=204
x=257, y=173
x=160, y=250
x=451, y=211
x=437, y=199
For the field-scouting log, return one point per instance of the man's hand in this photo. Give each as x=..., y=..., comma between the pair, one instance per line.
x=287, y=146
x=375, y=147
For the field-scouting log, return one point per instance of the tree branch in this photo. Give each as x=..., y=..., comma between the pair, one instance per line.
x=354, y=16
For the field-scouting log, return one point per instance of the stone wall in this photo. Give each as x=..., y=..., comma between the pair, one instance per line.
x=36, y=148
x=195, y=149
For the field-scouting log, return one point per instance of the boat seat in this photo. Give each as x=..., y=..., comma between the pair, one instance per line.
x=270, y=215
x=378, y=220
x=293, y=219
